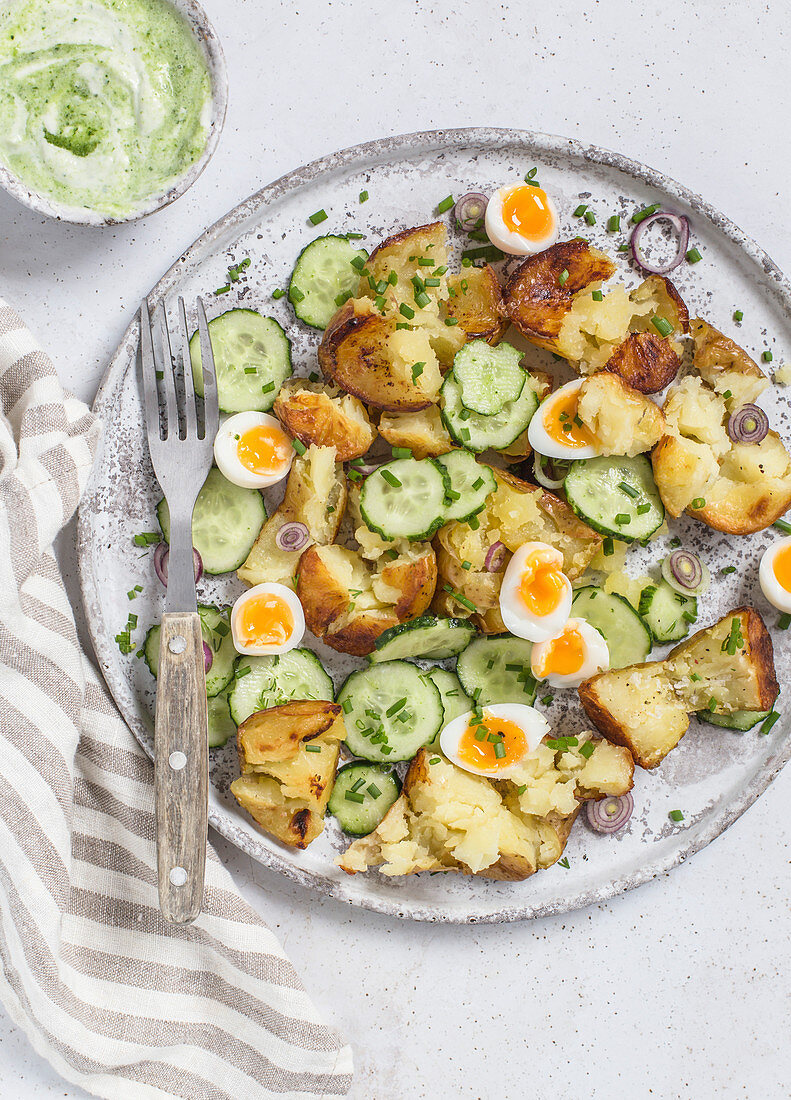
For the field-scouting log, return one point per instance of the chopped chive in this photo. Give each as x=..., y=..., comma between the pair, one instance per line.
x=268, y=387
x=738, y=316
x=727, y=395
x=499, y=750
x=422, y=299
x=312, y=748
x=580, y=211
x=623, y=247
x=646, y=212
x=695, y=677
x=466, y=565
x=451, y=321
x=597, y=295
x=363, y=196
x=417, y=370
x=474, y=523
x=395, y=708
x=690, y=616
x=223, y=289
x=547, y=699
x=642, y=509
x=373, y=790
x=358, y=262
x=694, y=256
x=662, y=325
x=390, y=478
x=587, y=750
x=767, y=357
x=435, y=760
x=622, y=519
x=768, y=722
x=353, y=796
x=445, y=205
x=590, y=217
x=782, y=525
x=608, y=547
x=698, y=503
x=784, y=621
x=628, y=489
x=485, y=252
x=242, y=671
x=342, y=298
x=317, y=218
x=614, y=223
x=347, y=706
x=676, y=815
x=295, y=294
x=563, y=277
x=401, y=452
x=406, y=311
x=298, y=446
x=478, y=483
x=278, y=293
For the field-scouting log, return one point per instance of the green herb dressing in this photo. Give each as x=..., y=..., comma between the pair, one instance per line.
x=103, y=103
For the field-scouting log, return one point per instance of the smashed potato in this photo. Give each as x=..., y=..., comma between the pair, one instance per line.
x=422, y=432
x=646, y=707
x=549, y=298
x=448, y=819
x=282, y=786
x=734, y=487
x=476, y=302
x=348, y=602
x=315, y=496
x=623, y=420
x=322, y=415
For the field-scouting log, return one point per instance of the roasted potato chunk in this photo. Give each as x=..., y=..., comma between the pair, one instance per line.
x=743, y=487
x=282, y=786
x=646, y=707
x=322, y=415
x=348, y=602
x=422, y=432
x=516, y=512
x=623, y=420
x=449, y=819
x=476, y=301
x=315, y=496
x=549, y=298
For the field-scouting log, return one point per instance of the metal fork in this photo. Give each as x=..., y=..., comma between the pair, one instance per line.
x=181, y=457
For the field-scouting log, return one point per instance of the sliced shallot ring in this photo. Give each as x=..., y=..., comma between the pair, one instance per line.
x=161, y=556
x=495, y=558
x=679, y=223
x=686, y=573
x=208, y=657
x=469, y=211
x=749, y=424
x=544, y=479
x=292, y=536
x=608, y=815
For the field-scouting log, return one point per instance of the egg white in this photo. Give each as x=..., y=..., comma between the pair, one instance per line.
x=596, y=656
x=532, y=723
x=537, y=435
x=288, y=597
x=227, y=458
x=517, y=619
x=770, y=586
x=506, y=239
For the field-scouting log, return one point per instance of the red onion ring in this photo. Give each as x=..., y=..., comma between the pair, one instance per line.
x=749, y=424
x=495, y=558
x=469, y=211
x=681, y=226
x=685, y=572
x=610, y=814
x=544, y=479
x=208, y=657
x=161, y=556
x=292, y=536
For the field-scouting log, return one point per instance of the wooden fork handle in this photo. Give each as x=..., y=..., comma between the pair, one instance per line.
x=181, y=767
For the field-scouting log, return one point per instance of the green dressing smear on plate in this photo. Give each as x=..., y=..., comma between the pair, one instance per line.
x=103, y=103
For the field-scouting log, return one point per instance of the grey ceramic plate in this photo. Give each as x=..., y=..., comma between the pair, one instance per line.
x=714, y=775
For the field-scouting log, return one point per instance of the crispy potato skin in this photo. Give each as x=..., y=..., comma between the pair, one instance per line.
x=715, y=352
x=534, y=300
x=317, y=417
x=645, y=361
x=353, y=353
x=745, y=518
x=418, y=235
x=477, y=304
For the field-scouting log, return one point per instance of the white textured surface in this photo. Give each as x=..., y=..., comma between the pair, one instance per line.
x=680, y=989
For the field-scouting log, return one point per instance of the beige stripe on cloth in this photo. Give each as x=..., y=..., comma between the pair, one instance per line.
x=119, y=1002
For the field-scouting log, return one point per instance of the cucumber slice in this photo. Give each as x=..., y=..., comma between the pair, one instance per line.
x=616, y=495
x=477, y=432
x=428, y=636
x=270, y=681
x=390, y=711
x=225, y=522
x=362, y=795
x=455, y=700
x=216, y=631
x=488, y=377
x=405, y=499
x=741, y=720
x=221, y=726
x=497, y=670
x=470, y=484
x=252, y=356
x=323, y=278
x=667, y=613
x=627, y=635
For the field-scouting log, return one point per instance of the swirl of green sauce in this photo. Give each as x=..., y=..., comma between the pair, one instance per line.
x=103, y=103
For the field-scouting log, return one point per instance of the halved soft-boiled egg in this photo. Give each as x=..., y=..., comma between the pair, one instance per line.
x=556, y=429
x=570, y=656
x=535, y=597
x=252, y=450
x=774, y=574
x=266, y=620
x=521, y=219
x=497, y=742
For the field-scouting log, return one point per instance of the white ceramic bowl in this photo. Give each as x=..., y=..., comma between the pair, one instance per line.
x=218, y=74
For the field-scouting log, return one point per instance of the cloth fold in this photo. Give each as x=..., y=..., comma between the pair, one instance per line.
x=119, y=1001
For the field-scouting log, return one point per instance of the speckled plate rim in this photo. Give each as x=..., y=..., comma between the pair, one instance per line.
x=379, y=150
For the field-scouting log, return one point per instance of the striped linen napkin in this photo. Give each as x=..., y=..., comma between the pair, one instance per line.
x=117, y=1000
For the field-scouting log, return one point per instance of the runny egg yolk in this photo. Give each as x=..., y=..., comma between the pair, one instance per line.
x=527, y=212
x=263, y=449
x=781, y=567
x=564, y=655
x=478, y=745
x=265, y=620
x=542, y=584
x=560, y=422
